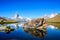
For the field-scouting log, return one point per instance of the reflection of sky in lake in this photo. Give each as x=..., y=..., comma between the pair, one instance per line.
x=19, y=34
x=53, y=34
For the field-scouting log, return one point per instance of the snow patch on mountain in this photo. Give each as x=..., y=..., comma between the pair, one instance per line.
x=49, y=16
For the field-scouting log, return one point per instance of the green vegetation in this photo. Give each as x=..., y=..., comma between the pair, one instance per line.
x=6, y=21
x=8, y=29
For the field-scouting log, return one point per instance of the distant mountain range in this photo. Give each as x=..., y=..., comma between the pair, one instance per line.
x=5, y=20
x=54, y=19
x=16, y=18
x=20, y=19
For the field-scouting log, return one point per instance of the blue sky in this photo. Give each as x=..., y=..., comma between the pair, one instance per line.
x=29, y=8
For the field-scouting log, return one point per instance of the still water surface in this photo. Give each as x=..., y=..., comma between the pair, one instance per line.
x=20, y=34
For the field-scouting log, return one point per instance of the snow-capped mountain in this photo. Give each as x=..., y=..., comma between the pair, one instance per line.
x=20, y=18
x=49, y=16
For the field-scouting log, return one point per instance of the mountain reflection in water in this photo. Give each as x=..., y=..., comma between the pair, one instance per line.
x=57, y=25
x=30, y=33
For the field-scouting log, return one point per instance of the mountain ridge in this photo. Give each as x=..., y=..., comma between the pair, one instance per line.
x=54, y=19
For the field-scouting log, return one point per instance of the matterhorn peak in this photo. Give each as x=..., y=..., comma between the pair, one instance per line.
x=16, y=15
